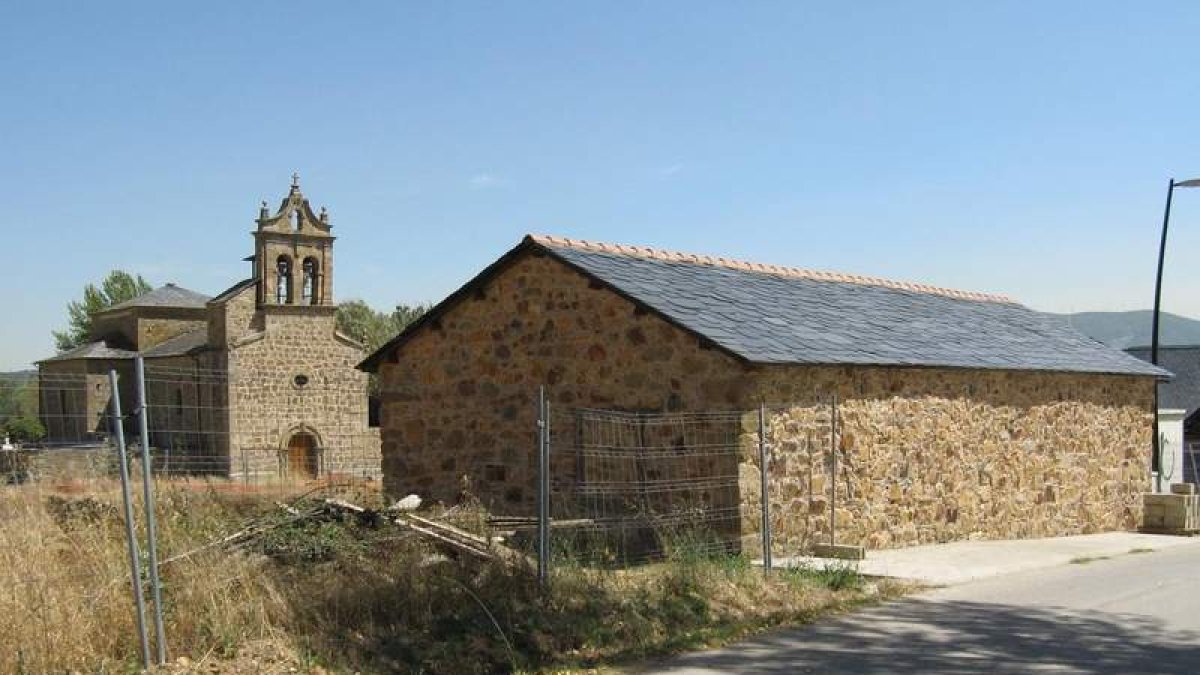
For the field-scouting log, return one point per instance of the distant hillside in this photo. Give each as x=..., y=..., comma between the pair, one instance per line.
x=1132, y=329
x=17, y=375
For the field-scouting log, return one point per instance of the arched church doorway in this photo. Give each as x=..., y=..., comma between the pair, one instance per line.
x=302, y=460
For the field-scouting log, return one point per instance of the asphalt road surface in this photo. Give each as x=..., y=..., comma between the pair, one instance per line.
x=1136, y=613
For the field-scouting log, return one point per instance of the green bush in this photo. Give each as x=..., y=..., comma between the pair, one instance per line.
x=24, y=429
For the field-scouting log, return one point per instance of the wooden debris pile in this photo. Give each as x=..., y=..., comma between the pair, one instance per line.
x=451, y=540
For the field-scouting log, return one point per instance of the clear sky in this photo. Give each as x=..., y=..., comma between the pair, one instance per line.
x=1013, y=147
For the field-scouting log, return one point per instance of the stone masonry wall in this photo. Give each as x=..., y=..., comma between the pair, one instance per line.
x=232, y=318
x=75, y=397
x=928, y=455
x=931, y=455
x=144, y=327
x=153, y=331
x=459, y=401
x=268, y=406
x=187, y=401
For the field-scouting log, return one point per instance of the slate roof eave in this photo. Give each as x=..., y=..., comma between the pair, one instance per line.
x=190, y=342
x=168, y=295
x=722, y=325
x=232, y=291
x=98, y=350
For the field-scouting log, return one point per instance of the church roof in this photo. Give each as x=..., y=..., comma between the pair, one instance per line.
x=180, y=345
x=92, y=350
x=768, y=314
x=169, y=295
x=233, y=290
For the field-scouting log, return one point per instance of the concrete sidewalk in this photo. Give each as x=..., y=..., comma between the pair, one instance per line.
x=958, y=562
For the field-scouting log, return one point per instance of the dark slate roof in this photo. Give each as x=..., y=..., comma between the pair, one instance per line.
x=164, y=296
x=774, y=315
x=233, y=290
x=180, y=345
x=1182, y=392
x=92, y=350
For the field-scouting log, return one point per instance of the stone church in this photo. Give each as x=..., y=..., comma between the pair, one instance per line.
x=255, y=382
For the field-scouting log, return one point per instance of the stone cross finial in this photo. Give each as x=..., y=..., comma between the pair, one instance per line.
x=324, y=215
x=296, y=180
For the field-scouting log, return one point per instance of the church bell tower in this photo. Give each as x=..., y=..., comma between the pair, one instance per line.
x=293, y=254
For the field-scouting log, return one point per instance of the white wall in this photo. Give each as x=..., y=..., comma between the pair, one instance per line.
x=1170, y=429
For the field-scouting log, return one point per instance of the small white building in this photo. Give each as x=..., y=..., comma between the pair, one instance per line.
x=1179, y=412
x=1171, y=450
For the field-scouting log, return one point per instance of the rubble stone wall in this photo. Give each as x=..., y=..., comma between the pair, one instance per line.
x=269, y=404
x=459, y=399
x=934, y=455
x=928, y=454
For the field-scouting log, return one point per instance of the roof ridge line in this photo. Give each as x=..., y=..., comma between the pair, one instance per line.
x=762, y=268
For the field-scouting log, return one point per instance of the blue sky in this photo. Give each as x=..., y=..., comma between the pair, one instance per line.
x=1020, y=148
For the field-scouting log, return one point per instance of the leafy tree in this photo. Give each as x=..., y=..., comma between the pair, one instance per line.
x=18, y=395
x=24, y=429
x=356, y=319
x=116, y=288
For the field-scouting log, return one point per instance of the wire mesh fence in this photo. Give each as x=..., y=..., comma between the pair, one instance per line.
x=627, y=487
x=61, y=551
x=194, y=435
x=1191, y=463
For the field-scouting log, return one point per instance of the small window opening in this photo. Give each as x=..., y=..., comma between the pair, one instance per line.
x=300, y=380
x=294, y=219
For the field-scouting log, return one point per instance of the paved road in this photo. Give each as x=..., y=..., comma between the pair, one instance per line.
x=1137, y=613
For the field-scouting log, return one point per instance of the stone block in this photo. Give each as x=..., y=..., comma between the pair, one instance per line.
x=840, y=551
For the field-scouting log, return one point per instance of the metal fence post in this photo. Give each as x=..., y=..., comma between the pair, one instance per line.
x=543, y=427
x=130, y=538
x=833, y=454
x=763, y=466
x=148, y=504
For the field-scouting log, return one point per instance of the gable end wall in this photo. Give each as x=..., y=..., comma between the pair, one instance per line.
x=459, y=405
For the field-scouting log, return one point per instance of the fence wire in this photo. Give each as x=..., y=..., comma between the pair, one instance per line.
x=631, y=487
x=195, y=435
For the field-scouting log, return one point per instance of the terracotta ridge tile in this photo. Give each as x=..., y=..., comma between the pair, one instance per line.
x=777, y=270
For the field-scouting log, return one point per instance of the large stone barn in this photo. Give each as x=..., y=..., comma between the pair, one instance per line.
x=255, y=382
x=959, y=414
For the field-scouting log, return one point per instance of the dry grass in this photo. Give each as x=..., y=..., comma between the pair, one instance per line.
x=65, y=599
x=353, y=597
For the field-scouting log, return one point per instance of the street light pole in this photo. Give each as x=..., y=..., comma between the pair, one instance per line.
x=1156, y=449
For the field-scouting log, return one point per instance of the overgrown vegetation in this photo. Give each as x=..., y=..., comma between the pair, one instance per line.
x=19, y=407
x=361, y=596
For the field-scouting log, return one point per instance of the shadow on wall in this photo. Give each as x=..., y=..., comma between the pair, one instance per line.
x=969, y=637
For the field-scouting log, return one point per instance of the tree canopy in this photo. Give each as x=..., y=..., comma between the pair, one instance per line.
x=356, y=319
x=116, y=288
x=19, y=407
